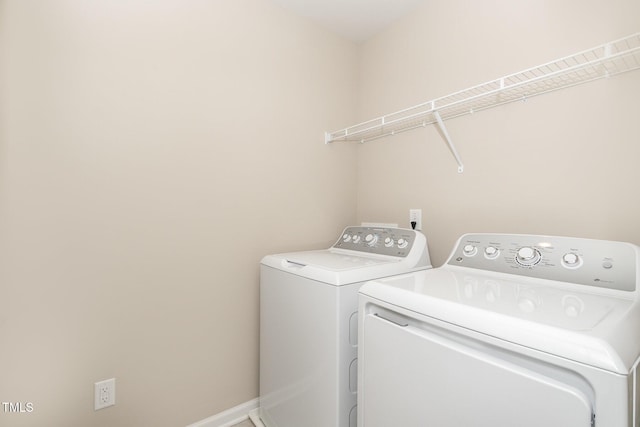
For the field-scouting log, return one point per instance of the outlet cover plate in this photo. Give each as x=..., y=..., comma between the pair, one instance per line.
x=105, y=394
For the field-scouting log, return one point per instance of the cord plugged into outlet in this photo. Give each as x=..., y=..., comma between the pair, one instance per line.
x=415, y=218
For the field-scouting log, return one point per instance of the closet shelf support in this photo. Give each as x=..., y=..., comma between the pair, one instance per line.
x=447, y=138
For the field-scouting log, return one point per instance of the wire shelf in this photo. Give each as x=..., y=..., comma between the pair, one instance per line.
x=603, y=61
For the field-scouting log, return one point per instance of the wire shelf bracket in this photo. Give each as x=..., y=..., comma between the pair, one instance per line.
x=604, y=61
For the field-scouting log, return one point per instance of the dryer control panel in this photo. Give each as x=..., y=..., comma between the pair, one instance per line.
x=599, y=263
x=396, y=242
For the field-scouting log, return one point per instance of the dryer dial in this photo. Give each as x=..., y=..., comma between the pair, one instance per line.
x=571, y=260
x=491, y=252
x=469, y=250
x=528, y=256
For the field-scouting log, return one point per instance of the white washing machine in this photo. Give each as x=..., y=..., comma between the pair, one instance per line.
x=308, y=323
x=514, y=330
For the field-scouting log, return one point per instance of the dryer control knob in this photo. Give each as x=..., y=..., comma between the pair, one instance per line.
x=571, y=260
x=469, y=250
x=402, y=243
x=528, y=256
x=491, y=252
x=388, y=242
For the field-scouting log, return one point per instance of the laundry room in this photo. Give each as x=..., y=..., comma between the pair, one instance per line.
x=153, y=152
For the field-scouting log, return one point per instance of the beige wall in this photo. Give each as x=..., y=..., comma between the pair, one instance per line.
x=564, y=163
x=151, y=153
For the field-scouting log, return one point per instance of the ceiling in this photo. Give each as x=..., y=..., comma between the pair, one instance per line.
x=357, y=20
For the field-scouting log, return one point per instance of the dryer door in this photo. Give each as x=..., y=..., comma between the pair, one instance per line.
x=416, y=376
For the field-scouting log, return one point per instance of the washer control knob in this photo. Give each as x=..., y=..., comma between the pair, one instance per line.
x=388, y=242
x=469, y=250
x=371, y=239
x=491, y=252
x=346, y=237
x=356, y=239
x=571, y=260
x=402, y=243
x=528, y=256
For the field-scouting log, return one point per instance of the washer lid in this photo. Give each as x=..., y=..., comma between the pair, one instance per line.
x=570, y=321
x=339, y=267
x=337, y=262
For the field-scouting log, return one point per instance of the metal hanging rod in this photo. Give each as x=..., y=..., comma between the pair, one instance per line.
x=602, y=61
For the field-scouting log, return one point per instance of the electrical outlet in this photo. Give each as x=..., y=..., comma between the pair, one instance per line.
x=105, y=393
x=415, y=215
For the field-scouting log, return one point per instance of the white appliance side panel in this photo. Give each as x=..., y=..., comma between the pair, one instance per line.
x=436, y=380
x=347, y=353
x=298, y=350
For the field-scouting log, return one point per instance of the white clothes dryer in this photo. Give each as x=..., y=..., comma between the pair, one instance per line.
x=514, y=330
x=308, y=323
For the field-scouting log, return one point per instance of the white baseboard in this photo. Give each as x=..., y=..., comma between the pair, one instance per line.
x=230, y=417
x=255, y=419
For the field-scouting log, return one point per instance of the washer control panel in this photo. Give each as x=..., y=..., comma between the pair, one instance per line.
x=383, y=241
x=599, y=263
